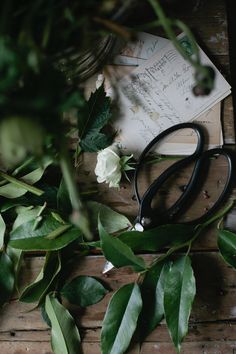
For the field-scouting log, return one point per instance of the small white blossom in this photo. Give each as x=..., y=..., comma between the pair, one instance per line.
x=108, y=168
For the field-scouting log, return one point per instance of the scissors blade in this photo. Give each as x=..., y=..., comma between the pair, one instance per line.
x=108, y=265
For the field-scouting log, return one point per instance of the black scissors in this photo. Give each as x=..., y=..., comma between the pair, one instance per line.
x=149, y=217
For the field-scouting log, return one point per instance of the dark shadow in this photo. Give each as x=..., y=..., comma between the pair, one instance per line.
x=210, y=286
x=230, y=6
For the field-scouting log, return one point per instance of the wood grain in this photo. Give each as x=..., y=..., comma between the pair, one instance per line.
x=213, y=320
x=212, y=323
x=208, y=22
x=123, y=201
x=216, y=292
x=217, y=347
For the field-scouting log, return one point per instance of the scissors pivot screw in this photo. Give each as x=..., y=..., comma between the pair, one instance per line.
x=138, y=227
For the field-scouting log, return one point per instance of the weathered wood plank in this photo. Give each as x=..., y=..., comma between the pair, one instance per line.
x=198, y=332
x=123, y=201
x=212, y=324
x=216, y=289
x=216, y=293
x=25, y=348
x=228, y=121
x=209, y=22
x=220, y=347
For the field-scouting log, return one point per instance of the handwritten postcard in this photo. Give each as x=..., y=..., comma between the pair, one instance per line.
x=138, y=51
x=158, y=94
x=184, y=141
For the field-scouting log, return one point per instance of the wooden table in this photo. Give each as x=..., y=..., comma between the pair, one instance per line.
x=213, y=320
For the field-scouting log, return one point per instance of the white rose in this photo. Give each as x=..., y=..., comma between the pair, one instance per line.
x=99, y=81
x=108, y=168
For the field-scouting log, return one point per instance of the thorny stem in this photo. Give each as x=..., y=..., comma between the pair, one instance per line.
x=79, y=216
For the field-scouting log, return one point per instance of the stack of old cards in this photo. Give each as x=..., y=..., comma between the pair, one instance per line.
x=153, y=84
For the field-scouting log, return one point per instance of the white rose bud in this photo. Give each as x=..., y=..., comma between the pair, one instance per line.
x=108, y=168
x=99, y=81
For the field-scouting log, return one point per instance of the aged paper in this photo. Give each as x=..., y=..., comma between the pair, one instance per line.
x=136, y=52
x=184, y=141
x=158, y=94
x=180, y=143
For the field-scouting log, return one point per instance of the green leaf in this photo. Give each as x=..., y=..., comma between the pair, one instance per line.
x=84, y=291
x=179, y=293
x=2, y=231
x=65, y=338
x=98, y=112
x=26, y=238
x=7, y=204
x=44, y=315
x=29, y=199
x=96, y=116
x=118, y=253
x=12, y=191
x=49, y=196
x=120, y=320
x=227, y=246
x=111, y=220
x=155, y=239
x=7, y=277
x=152, y=295
x=95, y=141
x=40, y=287
x=25, y=214
x=16, y=258
x=63, y=199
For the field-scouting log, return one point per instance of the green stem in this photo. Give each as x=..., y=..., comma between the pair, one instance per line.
x=149, y=25
x=39, y=218
x=21, y=184
x=58, y=232
x=221, y=213
x=190, y=36
x=91, y=191
x=57, y=217
x=69, y=178
x=167, y=24
x=3, y=182
x=199, y=229
x=163, y=158
x=22, y=167
x=79, y=216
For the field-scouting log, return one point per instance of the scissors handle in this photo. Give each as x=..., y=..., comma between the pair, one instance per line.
x=148, y=217
x=228, y=183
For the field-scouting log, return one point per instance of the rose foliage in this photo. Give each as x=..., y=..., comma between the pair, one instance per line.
x=43, y=114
